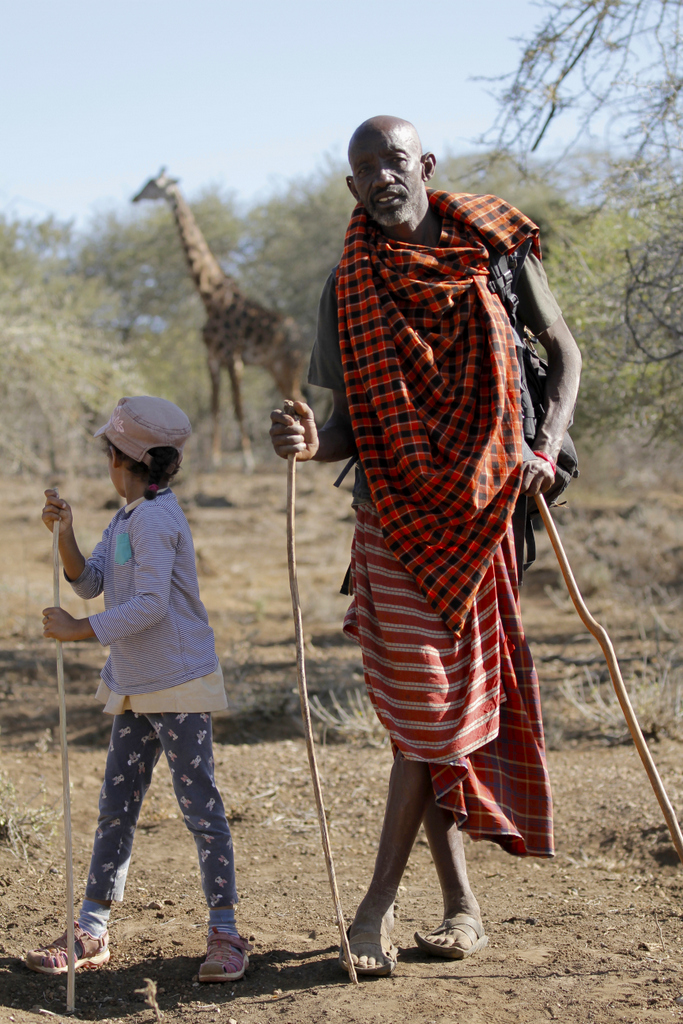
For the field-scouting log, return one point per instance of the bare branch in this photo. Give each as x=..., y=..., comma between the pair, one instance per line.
x=604, y=60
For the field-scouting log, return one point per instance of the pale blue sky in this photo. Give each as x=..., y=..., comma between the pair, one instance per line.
x=97, y=95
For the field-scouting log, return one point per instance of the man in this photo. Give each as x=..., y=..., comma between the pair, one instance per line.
x=421, y=360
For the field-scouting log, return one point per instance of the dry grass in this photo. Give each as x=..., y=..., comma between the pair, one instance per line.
x=21, y=824
x=354, y=720
x=655, y=689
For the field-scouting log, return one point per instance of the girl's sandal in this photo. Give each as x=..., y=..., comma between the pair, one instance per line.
x=464, y=923
x=54, y=959
x=226, y=957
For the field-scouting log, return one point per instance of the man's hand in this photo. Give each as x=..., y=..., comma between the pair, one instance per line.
x=59, y=625
x=292, y=436
x=57, y=510
x=537, y=477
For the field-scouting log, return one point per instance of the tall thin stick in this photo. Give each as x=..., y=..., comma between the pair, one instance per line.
x=306, y=713
x=66, y=793
x=603, y=639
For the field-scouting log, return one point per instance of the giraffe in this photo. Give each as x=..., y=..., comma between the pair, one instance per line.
x=238, y=330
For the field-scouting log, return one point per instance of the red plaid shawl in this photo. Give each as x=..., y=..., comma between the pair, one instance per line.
x=433, y=388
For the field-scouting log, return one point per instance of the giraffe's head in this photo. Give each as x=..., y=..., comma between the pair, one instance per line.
x=156, y=188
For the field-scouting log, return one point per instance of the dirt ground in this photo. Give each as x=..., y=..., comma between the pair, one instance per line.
x=596, y=935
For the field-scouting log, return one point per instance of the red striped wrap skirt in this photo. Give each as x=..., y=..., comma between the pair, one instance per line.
x=469, y=706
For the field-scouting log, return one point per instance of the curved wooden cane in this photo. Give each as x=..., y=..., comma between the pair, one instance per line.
x=603, y=639
x=306, y=713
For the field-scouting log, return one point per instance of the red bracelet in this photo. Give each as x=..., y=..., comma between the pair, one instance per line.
x=546, y=458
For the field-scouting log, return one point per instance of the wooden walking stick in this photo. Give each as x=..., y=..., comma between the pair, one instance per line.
x=305, y=708
x=603, y=639
x=66, y=793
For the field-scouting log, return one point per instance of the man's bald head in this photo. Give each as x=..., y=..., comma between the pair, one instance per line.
x=385, y=125
x=390, y=173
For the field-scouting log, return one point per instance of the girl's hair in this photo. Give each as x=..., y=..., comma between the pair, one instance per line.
x=164, y=466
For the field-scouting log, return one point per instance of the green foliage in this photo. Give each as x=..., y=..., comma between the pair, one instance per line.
x=136, y=255
x=85, y=319
x=616, y=63
x=617, y=276
x=61, y=369
x=292, y=242
x=536, y=191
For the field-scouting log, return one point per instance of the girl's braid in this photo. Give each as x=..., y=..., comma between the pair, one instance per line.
x=164, y=464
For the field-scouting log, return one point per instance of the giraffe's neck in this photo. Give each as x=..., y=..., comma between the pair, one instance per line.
x=208, y=277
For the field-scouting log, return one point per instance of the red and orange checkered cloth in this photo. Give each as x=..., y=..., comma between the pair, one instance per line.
x=432, y=382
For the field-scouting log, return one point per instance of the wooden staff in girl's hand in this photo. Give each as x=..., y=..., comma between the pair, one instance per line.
x=603, y=639
x=66, y=793
x=305, y=708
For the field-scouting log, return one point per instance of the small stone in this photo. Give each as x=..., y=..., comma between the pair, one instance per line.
x=170, y=903
x=231, y=1020
x=177, y=942
x=153, y=905
x=679, y=1000
x=252, y=938
x=313, y=934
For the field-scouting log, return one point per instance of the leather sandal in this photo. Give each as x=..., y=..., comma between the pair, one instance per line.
x=469, y=926
x=389, y=951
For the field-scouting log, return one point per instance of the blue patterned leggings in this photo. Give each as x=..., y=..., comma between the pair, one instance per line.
x=137, y=741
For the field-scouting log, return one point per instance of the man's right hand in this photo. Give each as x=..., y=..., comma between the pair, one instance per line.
x=294, y=435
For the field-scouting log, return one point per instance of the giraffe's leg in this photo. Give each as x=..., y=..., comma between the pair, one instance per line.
x=236, y=369
x=215, y=373
x=286, y=372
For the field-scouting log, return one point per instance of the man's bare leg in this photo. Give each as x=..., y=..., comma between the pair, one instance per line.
x=410, y=789
x=448, y=854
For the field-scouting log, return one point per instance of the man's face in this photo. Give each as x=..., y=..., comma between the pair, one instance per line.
x=389, y=175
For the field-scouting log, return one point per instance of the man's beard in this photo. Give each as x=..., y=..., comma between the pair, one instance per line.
x=389, y=218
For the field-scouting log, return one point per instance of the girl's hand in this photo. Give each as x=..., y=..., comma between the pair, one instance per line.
x=56, y=509
x=59, y=625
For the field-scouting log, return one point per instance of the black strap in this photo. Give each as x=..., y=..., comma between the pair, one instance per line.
x=346, y=588
x=342, y=476
x=504, y=272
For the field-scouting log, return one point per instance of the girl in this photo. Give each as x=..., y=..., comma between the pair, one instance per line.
x=161, y=681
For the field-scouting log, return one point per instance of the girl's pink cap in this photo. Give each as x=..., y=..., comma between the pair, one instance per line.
x=138, y=424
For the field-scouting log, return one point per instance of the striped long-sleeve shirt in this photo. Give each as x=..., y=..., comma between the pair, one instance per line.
x=154, y=621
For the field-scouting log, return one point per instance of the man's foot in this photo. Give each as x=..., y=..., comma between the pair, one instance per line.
x=372, y=951
x=54, y=959
x=226, y=957
x=456, y=939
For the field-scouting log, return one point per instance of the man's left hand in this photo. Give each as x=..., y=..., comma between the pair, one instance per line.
x=59, y=625
x=537, y=477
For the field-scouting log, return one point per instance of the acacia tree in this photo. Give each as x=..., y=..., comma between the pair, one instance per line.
x=62, y=368
x=620, y=59
x=617, y=65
